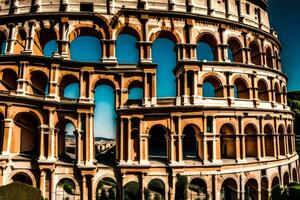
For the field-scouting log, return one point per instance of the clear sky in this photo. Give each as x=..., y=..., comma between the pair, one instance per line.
x=285, y=19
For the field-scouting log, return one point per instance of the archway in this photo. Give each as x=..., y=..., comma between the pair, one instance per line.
x=46, y=42
x=275, y=182
x=26, y=131
x=290, y=139
x=67, y=189
x=295, y=176
x=255, y=53
x=269, y=57
x=264, y=188
x=189, y=143
x=9, y=79
x=126, y=47
x=286, y=179
x=69, y=87
x=269, y=140
x=277, y=94
x=107, y=189
x=23, y=178
x=241, y=89
x=164, y=54
x=132, y=191
x=156, y=189
x=20, y=43
x=235, y=53
x=207, y=49
x=228, y=142
x=229, y=190
x=251, y=140
x=88, y=38
x=67, y=141
x=263, y=92
x=197, y=189
x=212, y=87
x=39, y=82
x=251, y=190
x=157, y=143
x=281, y=140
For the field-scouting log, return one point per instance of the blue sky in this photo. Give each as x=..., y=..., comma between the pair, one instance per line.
x=285, y=19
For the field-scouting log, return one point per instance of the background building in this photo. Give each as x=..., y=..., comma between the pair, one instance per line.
x=212, y=121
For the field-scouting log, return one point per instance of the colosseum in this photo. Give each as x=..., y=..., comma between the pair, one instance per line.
x=176, y=141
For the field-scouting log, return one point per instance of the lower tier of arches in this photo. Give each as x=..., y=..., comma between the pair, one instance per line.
x=155, y=182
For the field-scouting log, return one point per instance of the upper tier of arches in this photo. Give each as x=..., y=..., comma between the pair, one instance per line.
x=219, y=43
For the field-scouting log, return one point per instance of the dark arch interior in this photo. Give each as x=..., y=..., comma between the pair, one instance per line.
x=281, y=140
x=107, y=189
x=157, y=143
x=269, y=58
x=39, y=81
x=251, y=189
x=263, y=93
x=198, y=188
x=28, y=125
x=277, y=94
x=235, y=53
x=228, y=146
x=23, y=178
x=2, y=42
x=255, y=53
x=9, y=79
x=190, y=147
x=264, y=188
x=157, y=187
x=131, y=190
x=229, y=190
x=251, y=140
x=269, y=141
x=241, y=89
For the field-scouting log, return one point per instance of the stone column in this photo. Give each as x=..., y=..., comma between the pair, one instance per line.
x=84, y=188
x=154, y=95
x=42, y=183
x=53, y=82
x=121, y=141
x=63, y=43
x=129, y=146
x=22, y=78
x=146, y=90
x=52, y=189
x=43, y=132
x=29, y=40
x=7, y=138
x=11, y=39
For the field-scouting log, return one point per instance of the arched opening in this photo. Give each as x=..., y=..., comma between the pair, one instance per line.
x=295, y=179
x=105, y=111
x=228, y=144
x=197, y=189
x=132, y=191
x=26, y=132
x=20, y=41
x=277, y=93
x=2, y=43
x=241, y=89
x=207, y=48
x=255, y=53
x=290, y=139
x=281, y=140
x=156, y=189
x=135, y=91
x=286, y=179
x=189, y=143
x=89, y=39
x=212, y=87
x=269, y=58
x=157, y=143
x=264, y=188
x=9, y=79
x=107, y=189
x=164, y=54
x=275, y=182
x=269, y=140
x=69, y=87
x=251, y=190
x=277, y=60
x=67, y=141
x=39, y=82
x=135, y=144
x=23, y=178
x=234, y=50
x=251, y=140
x=66, y=189
x=46, y=42
x=126, y=47
x=229, y=190
x=263, y=92
x=284, y=94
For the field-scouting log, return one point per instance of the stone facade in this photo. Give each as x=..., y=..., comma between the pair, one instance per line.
x=242, y=144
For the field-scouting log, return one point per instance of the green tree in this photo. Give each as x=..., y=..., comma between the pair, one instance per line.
x=103, y=195
x=111, y=194
x=20, y=191
x=181, y=188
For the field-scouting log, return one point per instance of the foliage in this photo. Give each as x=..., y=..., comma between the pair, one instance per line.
x=111, y=194
x=291, y=191
x=68, y=187
x=131, y=191
x=103, y=195
x=295, y=106
x=157, y=197
x=20, y=191
x=181, y=188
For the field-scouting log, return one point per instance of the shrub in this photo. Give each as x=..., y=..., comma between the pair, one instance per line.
x=20, y=191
